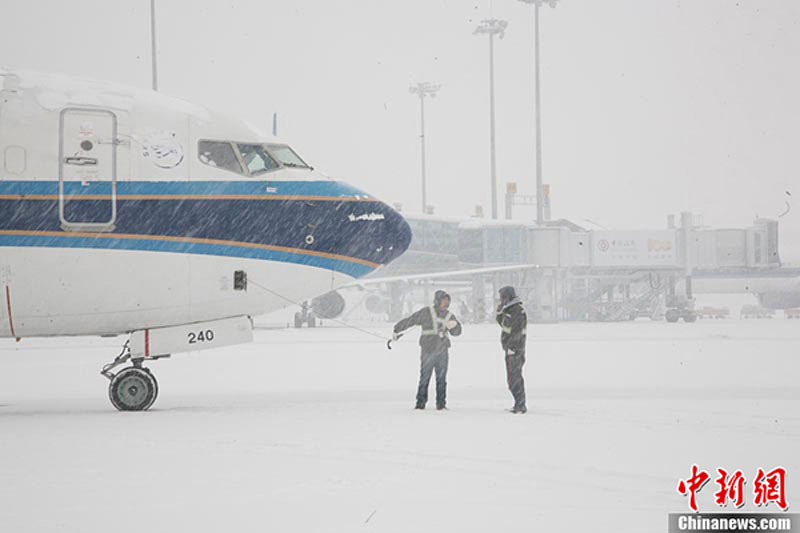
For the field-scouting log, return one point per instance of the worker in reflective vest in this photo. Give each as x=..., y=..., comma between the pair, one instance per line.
x=514, y=325
x=437, y=323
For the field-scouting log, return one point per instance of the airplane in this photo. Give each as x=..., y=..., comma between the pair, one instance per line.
x=126, y=211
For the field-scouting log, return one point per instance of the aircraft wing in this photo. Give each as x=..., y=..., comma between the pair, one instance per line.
x=437, y=275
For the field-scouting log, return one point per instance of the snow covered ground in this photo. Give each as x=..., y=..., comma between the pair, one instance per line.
x=314, y=430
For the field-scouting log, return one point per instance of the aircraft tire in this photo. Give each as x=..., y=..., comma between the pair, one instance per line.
x=133, y=389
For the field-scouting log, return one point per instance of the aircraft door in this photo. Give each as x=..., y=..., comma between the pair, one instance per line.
x=5, y=275
x=87, y=169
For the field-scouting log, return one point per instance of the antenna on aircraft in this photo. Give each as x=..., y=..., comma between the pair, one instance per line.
x=275, y=124
x=153, y=43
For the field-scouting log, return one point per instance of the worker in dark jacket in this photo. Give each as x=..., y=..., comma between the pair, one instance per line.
x=514, y=323
x=438, y=323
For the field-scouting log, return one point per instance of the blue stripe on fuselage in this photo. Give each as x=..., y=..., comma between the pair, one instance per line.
x=219, y=211
x=333, y=189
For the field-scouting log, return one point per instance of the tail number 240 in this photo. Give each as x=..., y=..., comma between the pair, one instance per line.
x=201, y=336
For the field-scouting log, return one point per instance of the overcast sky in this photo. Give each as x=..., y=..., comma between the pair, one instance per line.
x=650, y=107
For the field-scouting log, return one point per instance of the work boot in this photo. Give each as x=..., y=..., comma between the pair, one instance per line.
x=441, y=408
x=419, y=406
x=518, y=410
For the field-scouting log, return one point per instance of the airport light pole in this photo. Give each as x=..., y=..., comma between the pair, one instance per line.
x=422, y=90
x=539, y=192
x=153, y=43
x=492, y=27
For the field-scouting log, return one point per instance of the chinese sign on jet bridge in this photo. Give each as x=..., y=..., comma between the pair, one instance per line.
x=634, y=249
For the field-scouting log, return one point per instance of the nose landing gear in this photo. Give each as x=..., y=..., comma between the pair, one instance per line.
x=305, y=315
x=133, y=388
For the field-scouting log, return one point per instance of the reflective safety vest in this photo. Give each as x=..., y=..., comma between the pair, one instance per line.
x=439, y=324
x=507, y=329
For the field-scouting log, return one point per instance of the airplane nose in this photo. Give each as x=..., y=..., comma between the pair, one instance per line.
x=349, y=231
x=374, y=232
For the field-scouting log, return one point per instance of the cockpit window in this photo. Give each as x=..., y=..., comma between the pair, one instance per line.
x=220, y=155
x=256, y=158
x=287, y=156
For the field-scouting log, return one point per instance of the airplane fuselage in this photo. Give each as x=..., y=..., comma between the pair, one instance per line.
x=122, y=210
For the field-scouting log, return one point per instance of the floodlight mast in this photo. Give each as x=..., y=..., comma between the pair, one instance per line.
x=422, y=90
x=538, y=109
x=153, y=44
x=492, y=27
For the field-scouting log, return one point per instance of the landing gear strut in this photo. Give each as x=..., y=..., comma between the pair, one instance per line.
x=133, y=388
x=305, y=315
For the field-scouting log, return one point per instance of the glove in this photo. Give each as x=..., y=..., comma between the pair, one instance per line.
x=395, y=336
x=451, y=324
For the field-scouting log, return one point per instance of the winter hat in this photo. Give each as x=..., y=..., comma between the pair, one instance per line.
x=439, y=296
x=507, y=294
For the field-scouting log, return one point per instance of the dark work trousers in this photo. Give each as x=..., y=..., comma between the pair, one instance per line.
x=428, y=363
x=516, y=383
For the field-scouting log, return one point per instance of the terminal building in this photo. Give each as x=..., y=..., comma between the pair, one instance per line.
x=567, y=272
